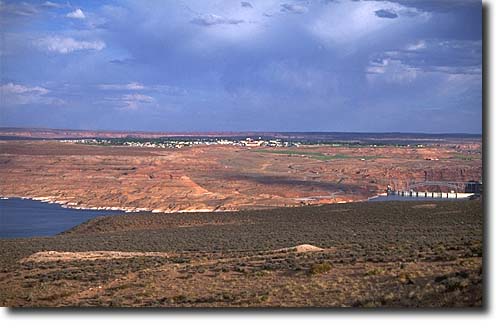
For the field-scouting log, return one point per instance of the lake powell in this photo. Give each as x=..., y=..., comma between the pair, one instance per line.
x=30, y=218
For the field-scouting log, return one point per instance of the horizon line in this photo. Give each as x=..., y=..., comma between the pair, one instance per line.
x=238, y=131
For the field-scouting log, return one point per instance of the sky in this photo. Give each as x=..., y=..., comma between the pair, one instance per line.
x=257, y=65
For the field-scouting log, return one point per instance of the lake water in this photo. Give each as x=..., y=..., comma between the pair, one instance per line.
x=28, y=218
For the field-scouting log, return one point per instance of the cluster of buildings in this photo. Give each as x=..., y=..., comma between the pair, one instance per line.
x=263, y=142
x=185, y=142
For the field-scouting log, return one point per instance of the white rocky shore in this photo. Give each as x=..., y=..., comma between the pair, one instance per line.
x=72, y=205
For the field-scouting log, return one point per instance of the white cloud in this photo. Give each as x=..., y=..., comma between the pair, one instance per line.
x=391, y=71
x=131, y=101
x=65, y=45
x=420, y=45
x=424, y=56
x=135, y=100
x=129, y=86
x=348, y=22
x=11, y=88
x=49, y=4
x=136, y=86
x=212, y=19
x=17, y=94
x=139, y=98
x=77, y=14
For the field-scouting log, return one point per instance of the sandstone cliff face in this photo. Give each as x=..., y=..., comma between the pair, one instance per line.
x=207, y=178
x=455, y=173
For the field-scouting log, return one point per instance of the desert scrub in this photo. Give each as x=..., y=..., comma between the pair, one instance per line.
x=405, y=278
x=375, y=271
x=319, y=268
x=180, y=260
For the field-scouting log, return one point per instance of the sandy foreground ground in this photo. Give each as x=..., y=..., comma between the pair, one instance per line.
x=388, y=254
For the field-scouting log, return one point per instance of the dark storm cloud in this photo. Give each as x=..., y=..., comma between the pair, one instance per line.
x=17, y=9
x=212, y=19
x=437, y=5
x=383, y=13
x=198, y=65
x=453, y=57
x=293, y=8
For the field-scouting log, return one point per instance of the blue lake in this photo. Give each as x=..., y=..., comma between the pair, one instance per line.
x=28, y=218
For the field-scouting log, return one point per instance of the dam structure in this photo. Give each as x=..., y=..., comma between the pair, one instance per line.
x=430, y=194
x=457, y=190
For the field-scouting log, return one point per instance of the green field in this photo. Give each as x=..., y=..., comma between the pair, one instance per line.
x=460, y=156
x=317, y=155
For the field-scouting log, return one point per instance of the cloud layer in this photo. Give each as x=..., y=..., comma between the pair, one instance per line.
x=66, y=45
x=17, y=94
x=384, y=13
x=243, y=65
x=212, y=19
x=76, y=14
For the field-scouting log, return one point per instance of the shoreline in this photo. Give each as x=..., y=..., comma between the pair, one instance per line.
x=70, y=205
x=376, y=196
x=66, y=204
x=74, y=206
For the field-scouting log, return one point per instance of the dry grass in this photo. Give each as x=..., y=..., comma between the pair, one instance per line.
x=367, y=255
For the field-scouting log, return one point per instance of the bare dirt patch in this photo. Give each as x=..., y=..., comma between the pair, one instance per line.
x=56, y=256
x=306, y=248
